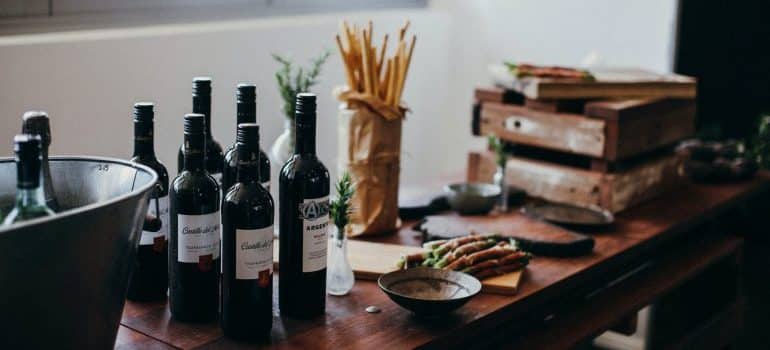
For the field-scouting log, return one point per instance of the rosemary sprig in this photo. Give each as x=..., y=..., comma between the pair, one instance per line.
x=341, y=208
x=293, y=80
x=499, y=148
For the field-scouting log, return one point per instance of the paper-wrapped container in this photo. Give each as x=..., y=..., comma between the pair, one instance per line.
x=370, y=149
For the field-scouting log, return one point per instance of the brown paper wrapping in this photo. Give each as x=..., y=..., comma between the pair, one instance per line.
x=370, y=149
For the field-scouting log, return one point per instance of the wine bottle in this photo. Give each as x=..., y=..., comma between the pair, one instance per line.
x=247, y=245
x=193, y=264
x=37, y=123
x=30, y=199
x=150, y=278
x=213, y=158
x=303, y=220
x=246, y=106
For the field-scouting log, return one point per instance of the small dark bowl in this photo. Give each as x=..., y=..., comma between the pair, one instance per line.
x=427, y=291
x=472, y=198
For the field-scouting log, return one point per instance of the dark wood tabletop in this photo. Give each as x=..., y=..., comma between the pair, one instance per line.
x=639, y=233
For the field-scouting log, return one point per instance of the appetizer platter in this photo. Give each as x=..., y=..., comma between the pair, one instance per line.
x=480, y=255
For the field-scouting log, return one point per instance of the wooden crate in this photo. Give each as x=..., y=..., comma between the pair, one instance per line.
x=581, y=187
x=609, y=130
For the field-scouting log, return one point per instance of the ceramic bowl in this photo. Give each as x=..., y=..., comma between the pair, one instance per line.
x=427, y=291
x=472, y=198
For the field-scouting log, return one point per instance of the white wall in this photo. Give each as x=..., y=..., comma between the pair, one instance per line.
x=88, y=80
x=631, y=33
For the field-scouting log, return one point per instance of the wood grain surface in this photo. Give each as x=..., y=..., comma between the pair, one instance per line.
x=586, y=188
x=638, y=235
x=574, y=133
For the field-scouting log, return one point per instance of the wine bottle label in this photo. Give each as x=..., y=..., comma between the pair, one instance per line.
x=254, y=254
x=198, y=238
x=148, y=237
x=314, y=214
x=266, y=185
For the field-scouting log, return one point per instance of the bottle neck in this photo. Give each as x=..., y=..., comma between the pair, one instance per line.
x=143, y=140
x=245, y=113
x=193, y=151
x=248, y=163
x=305, y=139
x=28, y=187
x=29, y=197
x=202, y=105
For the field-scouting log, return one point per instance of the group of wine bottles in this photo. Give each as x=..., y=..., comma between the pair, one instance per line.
x=214, y=250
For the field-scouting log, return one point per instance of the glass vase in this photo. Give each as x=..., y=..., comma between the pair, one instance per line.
x=339, y=273
x=283, y=147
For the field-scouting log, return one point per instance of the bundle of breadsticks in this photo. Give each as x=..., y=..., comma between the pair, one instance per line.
x=479, y=255
x=368, y=69
x=370, y=123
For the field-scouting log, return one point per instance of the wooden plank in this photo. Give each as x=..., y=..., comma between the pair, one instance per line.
x=590, y=318
x=131, y=339
x=612, y=191
x=556, y=105
x=154, y=320
x=541, y=179
x=497, y=94
x=642, y=125
x=610, y=83
x=641, y=183
x=559, y=131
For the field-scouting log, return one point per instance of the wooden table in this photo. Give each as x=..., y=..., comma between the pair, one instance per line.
x=665, y=242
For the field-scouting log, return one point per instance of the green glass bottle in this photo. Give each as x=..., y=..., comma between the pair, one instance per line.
x=30, y=197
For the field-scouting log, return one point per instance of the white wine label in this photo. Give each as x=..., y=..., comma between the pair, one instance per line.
x=198, y=238
x=266, y=185
x=148, y=237
x=314, y=214
x=254, y=254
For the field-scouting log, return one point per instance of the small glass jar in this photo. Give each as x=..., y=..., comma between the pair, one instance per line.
x=339, y=273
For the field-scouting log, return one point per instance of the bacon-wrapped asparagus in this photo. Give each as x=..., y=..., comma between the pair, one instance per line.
x=480, y=255
x=463, y=250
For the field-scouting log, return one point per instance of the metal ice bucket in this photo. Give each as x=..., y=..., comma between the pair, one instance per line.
x=63, y=279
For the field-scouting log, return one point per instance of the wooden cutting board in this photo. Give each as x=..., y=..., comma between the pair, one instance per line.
x=370, y=260
x=609, y=83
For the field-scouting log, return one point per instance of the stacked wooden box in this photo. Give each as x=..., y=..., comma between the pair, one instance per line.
x=588, y=150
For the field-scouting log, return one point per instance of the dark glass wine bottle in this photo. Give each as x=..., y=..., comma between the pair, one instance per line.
x=37, y=123
x=201, y=98
x=246, y=106
x=303, y=220
x=193, y=262
x=30, y=199
x=150, y=278
x=247, y=246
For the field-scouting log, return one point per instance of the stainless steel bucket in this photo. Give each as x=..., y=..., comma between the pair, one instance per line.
x=63, y=279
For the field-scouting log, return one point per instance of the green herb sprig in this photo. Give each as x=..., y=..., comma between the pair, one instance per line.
x=341, y=207
x=293, y=80
x=499, y=148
